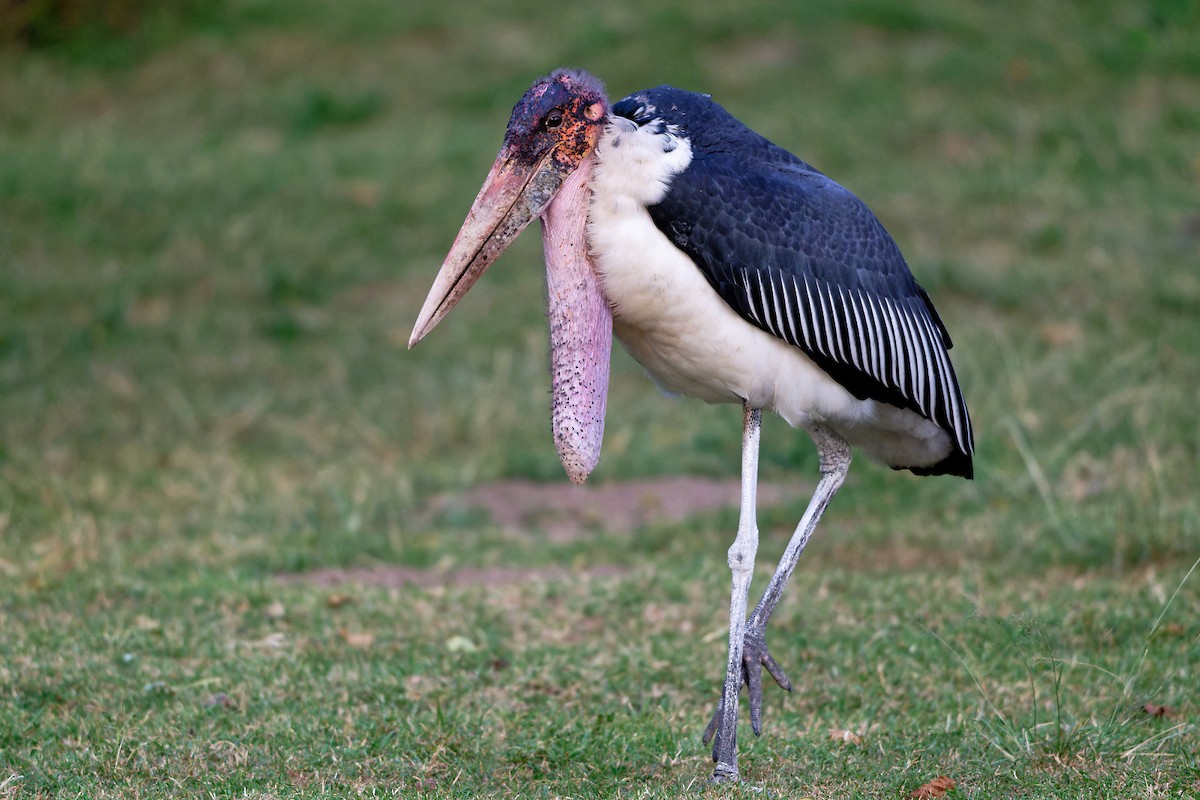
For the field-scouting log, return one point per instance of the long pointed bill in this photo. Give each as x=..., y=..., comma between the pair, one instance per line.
x=580, y=329
x=511, y=196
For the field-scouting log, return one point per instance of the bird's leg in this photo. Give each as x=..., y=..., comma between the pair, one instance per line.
x=835, y=462
x=741, y=564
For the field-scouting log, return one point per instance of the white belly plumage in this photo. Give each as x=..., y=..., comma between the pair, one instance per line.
x=691, y=342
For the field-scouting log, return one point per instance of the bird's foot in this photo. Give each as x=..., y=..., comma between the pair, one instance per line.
x=755, y=657
x=724, y=773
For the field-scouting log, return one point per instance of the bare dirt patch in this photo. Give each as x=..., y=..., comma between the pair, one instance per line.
x=561, y=511
x=397, y=575
x=564, y=511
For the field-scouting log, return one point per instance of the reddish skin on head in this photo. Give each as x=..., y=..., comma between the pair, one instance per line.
x=563, y=113
x=553, y=128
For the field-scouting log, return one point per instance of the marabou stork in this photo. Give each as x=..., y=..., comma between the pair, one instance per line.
x=733, y=272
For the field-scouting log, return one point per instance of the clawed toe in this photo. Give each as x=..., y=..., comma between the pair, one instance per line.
x=755, y=658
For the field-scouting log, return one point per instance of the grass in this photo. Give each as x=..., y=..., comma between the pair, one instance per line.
x=212, y=248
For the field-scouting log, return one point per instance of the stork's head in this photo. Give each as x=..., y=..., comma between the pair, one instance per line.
x=553, y=128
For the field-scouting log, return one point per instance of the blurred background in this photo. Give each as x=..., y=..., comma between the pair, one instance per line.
x=219, y=220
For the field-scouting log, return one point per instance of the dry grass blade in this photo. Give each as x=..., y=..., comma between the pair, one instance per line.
x=844, y=736
x=10, y=786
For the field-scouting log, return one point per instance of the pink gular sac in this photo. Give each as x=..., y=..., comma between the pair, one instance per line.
x=580, y=329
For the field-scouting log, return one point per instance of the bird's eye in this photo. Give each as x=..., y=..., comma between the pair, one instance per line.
x=553, y=120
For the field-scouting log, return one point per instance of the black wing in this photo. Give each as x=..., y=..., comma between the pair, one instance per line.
x=802, y=258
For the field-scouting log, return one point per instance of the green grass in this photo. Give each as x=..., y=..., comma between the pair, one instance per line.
x=212, y=249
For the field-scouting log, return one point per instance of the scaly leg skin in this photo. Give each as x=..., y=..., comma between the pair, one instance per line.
x=754, y=656
x=741, y=565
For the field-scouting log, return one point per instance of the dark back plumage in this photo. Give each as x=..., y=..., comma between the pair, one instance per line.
x=802, y=258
